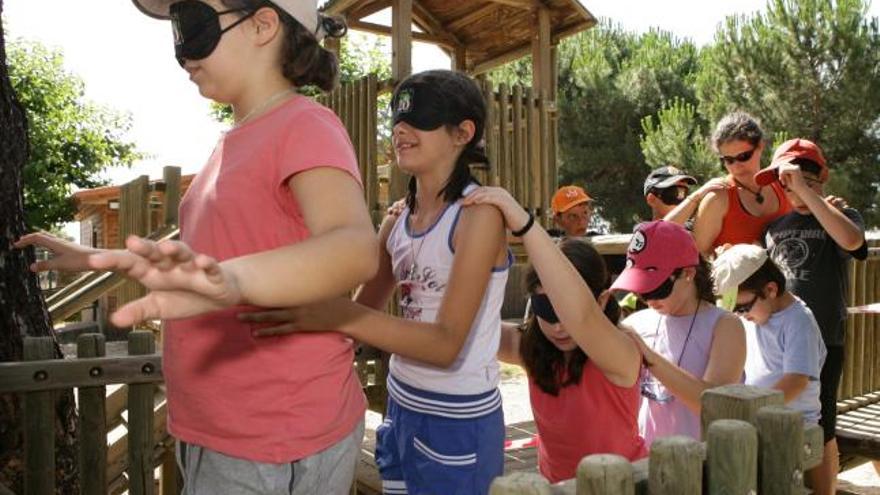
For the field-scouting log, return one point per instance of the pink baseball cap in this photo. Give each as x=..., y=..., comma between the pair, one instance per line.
x=656, y=250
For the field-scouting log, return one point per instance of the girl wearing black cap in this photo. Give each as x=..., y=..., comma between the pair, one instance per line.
x=444, y=429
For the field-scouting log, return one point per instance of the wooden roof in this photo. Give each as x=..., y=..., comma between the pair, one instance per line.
x=492, y=32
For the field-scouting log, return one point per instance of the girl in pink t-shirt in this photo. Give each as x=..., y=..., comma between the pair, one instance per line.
x=583, y=371
x=277, y=218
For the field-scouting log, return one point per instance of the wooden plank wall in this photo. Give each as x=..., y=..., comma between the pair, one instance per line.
x=861, y=365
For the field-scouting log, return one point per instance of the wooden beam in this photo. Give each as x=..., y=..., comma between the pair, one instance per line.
x=520, y=4
x=340, y=7
x=401, y=67
x=541, y=45
x=431, y=24
x=459, y=59
x=470, y=18
x=369, y=27
x=369, y=10
x=524, y=49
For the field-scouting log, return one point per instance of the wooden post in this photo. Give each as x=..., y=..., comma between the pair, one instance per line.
x=401, y=67
x=736, y=402
x=38, y=412
x=518, y=160
x=520, y=483
x=172, y=481
x=459, y=59
x=92, y=421
x=541, y=46
x=676, y=466
x=846, y=381
x=732, y=457
x=875, y=296
x=503, y=165
x=781, y=434
x=171, y=177
x=870, y=327
x=858, y=356
x=140, y=420
x=605, y=474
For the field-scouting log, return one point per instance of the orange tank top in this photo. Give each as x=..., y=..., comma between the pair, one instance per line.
x=740, y=226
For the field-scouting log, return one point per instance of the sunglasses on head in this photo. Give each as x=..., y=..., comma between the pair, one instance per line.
x=740, y=157
x=663, y=291
x=744, y=308
x=542, y=308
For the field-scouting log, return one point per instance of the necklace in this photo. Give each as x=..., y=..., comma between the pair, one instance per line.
x=414, y=253
x=758, y=196
x=266, y=104
x=687, y=337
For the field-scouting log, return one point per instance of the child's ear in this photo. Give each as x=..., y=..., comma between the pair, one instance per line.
x=466, y=130
x=267, y=24
x=689, y=273
x=771, y=290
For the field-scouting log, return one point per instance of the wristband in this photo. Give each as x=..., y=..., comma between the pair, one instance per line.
x=521, y=232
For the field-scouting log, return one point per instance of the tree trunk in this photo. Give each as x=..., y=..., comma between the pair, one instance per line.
x=22, y=309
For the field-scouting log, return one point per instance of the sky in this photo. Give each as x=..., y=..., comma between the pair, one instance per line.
x=127, y=63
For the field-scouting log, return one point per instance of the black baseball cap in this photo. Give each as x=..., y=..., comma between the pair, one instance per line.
x=664, y=177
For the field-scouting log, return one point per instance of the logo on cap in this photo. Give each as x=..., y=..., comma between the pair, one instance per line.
x=638, y=243
x=404, y=101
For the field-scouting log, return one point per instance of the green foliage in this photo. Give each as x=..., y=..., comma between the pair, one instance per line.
x=71, y=140
x=677, y=136
x=609, y=81
x=806, y=68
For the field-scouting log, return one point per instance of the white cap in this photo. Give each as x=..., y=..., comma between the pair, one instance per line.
x=735, y=265
x=304, y=11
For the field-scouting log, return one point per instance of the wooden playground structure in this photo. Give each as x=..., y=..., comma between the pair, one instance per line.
x=124, y=391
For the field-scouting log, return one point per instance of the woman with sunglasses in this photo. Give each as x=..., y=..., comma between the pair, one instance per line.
x=687, y=343
x=582, y=369
x=738, y=213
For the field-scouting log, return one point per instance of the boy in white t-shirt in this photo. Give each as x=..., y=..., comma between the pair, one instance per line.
x=785, y=350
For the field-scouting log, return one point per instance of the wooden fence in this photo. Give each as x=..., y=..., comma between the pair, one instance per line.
x=130, y=462
x=520, y=140
x=752, y=445
x=861, y=372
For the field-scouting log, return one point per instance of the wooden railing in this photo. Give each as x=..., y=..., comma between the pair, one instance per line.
x=129, y=463
x=861, y=371
x=752, y=445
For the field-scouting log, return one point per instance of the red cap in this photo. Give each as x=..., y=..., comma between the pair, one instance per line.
x=786, y=153
x=568, y=197
x=656, y=250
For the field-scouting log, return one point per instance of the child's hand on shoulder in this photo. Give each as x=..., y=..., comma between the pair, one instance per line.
x=515, y=217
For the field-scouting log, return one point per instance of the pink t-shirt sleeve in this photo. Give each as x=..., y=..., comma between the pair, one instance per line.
x=315, y=138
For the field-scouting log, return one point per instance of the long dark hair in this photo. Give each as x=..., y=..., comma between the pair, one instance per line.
x=304, y=61
x=545, y=363
x=703, y=281
x=464, y=98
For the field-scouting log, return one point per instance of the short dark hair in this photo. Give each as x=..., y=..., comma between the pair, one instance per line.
x=768, y=272
x=808, y=166
x=737, y=126
x=543, y=361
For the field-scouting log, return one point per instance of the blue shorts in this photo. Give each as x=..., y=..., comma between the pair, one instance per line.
x=439, y=444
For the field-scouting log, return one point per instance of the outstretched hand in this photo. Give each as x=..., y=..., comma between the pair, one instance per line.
x=67, y=256
x=182, y=282
x=323, y=316
x=515, y=217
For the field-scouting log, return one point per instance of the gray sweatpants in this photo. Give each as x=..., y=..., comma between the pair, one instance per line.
x=329, y=472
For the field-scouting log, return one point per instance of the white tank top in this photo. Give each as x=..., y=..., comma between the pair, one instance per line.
x=422, y=263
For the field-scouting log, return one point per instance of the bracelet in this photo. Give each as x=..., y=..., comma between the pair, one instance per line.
x=521, y=232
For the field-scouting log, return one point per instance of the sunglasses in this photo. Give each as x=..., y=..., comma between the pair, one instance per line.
x=663, y=291
x=741, y=157
x=671, y=195
x=744, y=308
x=542, y=308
